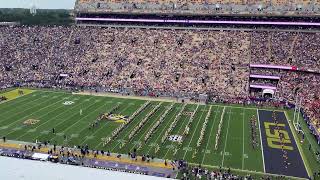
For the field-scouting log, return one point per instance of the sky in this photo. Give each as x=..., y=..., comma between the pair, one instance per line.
x=40, y=4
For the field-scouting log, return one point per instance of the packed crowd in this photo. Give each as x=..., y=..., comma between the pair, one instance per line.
x=159, y=62
x=286, y=48
x=201, y=7
x=199, y=172
x=169, y=62
x=306, y=88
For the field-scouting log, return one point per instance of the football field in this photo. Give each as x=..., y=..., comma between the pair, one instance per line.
x=212, y=135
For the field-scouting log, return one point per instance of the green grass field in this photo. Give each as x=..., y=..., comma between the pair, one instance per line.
x=234, y=147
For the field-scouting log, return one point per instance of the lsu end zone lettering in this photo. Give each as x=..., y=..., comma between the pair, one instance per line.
x=281, y=154
x=277, y=138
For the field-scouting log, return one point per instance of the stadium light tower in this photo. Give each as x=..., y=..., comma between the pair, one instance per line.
x=33, y=9
x=297, y=109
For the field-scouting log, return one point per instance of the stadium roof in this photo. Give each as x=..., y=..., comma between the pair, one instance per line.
x=20, y=169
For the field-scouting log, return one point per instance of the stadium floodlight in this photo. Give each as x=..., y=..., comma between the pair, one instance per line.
x=297, y=110
x=33, y=10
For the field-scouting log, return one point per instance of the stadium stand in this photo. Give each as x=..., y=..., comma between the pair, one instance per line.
x=179, y=63
x=209, y=7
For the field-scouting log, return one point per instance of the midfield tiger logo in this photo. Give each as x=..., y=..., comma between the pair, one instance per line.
x=31, y=122
x=277, y=137
x=117, y=118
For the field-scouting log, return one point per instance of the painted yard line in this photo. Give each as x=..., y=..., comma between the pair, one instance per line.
x=249, y=172
x=226, y=140
x=178, y=132
x=35, y=112
x=298, y=145
x=168, y=124
x=127, y=127
x=20, y=111
x=101, y=127
x=32, y=112
x=24, y=105
x=69, y=116
x=243, y=113
x=18, y=101
x=146, y=123
x=264, y=168
x=214, y=121
x=81, y=117
x=194, y=133
x=57, y=115
x=149, y=128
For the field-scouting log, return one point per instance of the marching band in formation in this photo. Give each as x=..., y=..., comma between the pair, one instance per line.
x=204, y=127
x=187, y=128
x=140, y=125
x=116, y=132
x=173, y=124
x=254, y=134
x=282, y=141
x=219, y=130
x=156, y=125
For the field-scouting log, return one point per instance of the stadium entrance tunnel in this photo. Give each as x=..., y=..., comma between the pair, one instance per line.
x=281, y=154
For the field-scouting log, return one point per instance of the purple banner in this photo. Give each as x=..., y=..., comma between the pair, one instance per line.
x=273, y=66
x=262, y=87
x=263, y=76
x=203, y=22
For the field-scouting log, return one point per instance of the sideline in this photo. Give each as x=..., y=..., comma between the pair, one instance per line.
x=158, y=163
x=306, y=165
x=168, y=99
x=264, y=166
x=248, y=171
x=117, y=95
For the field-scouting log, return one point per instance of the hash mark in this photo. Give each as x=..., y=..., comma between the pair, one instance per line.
x=45, y=132
x=74, y=135
x=17, y=128
x=60, y=134
x=4, y=127
x=31, y=130
x=187, y=149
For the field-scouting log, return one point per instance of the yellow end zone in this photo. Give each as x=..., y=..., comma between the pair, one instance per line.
x=15, y=93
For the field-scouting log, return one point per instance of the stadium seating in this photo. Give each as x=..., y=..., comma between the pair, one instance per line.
x=163, y=62
x=203, y=7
